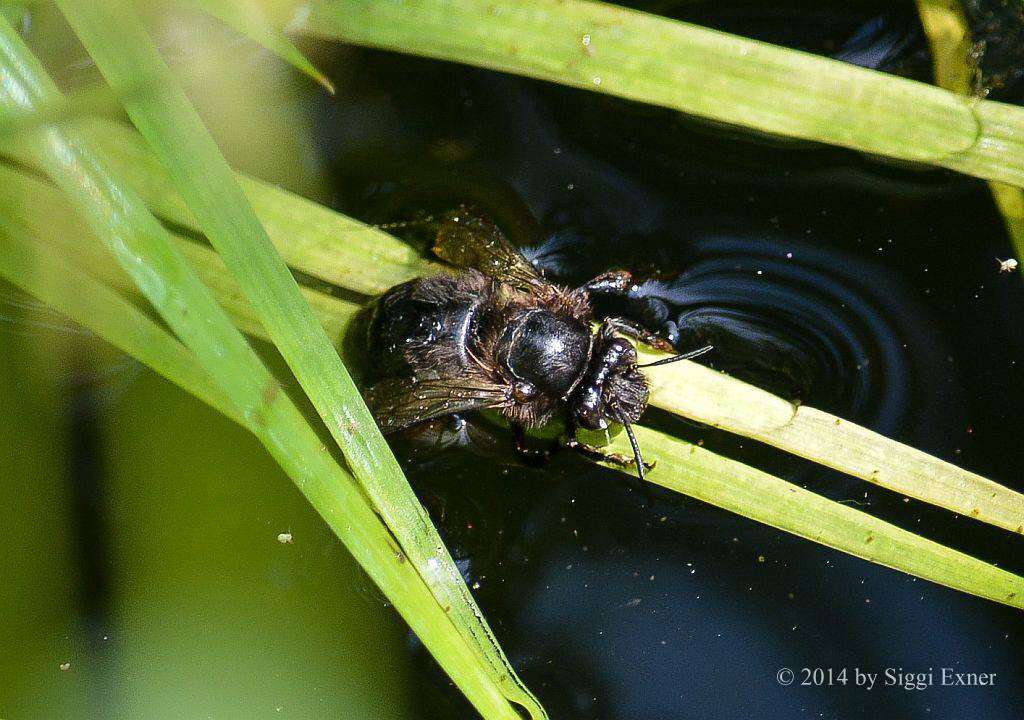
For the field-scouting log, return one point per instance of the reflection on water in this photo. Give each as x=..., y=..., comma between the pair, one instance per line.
x=806, y=323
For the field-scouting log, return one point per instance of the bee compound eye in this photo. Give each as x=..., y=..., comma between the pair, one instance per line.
x=523, y=391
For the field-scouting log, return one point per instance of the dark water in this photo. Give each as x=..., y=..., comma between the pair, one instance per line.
x=863, y=287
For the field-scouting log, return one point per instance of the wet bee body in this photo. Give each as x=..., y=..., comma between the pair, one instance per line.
x=498, y=335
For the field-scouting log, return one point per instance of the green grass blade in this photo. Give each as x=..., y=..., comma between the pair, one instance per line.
x=26, y=262
x=142, y=247
x=1010, y=201
x=946, y=28
x=249, y=18
x=741, y=489
x=310, y=237
x=84, y=103
x=702, y=72
x=699, y=393
x=63, y=230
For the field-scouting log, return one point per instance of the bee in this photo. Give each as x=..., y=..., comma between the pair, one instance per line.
x=496, y=334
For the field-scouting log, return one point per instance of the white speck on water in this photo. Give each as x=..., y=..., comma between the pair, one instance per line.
x=433, y=564
x=1008, y=265
x=284, y=538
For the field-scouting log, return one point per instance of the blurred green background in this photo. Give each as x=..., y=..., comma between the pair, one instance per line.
x=164, y=587
x=196, y=610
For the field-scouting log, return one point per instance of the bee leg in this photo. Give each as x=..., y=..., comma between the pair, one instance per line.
x=530, y=456
x=614, y=282
x=619, y=283
x=592, y=452
x=631, y=329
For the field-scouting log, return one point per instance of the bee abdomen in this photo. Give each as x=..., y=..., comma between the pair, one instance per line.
x=422, y=327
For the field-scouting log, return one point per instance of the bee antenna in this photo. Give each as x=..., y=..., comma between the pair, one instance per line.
x=681, y=356
x=636, y=450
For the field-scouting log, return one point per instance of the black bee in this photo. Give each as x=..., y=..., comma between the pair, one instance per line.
x=498, y=335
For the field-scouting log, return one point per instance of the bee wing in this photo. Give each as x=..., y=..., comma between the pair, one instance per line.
x=401, y=403
x=468, y=240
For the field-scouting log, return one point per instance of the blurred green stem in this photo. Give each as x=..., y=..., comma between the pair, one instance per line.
x=945, y=24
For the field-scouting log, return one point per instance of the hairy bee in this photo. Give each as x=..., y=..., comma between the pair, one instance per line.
x=498, y=335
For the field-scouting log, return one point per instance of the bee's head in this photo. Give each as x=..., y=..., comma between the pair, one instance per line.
x=613, y=389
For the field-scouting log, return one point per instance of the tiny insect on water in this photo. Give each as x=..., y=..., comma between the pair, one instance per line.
x=498, y=335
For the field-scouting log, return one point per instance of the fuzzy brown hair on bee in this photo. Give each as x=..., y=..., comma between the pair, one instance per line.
x=496, y=334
